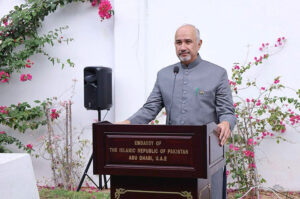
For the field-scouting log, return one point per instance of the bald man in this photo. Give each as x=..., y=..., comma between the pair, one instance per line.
x=201, y=94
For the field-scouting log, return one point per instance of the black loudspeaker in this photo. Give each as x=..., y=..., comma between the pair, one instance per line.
x=97, y=88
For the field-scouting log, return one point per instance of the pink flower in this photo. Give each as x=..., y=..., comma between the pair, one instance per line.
x=105, y=9
x=4, y=76
x=29, y=146
x=236, y=67
x=252, y=165
x=231, y=83
x=54, y=114
x=3, y=109
x=283, y=130
x=250, y=140
x=247, y=100
x=235, y=104
x=236, y=148
x=276, y=81
x=271, y=134
x=23, y=77
x=263, y=88
x=28, y=65
x=247, y=153
x=2, y=132
x=52, y=187
x=231, y=146
x=29, y=76
x=94, y=3
x=227, y=173
x=254, y=143
x=258, y=103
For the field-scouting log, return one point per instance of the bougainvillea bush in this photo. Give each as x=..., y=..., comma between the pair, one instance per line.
x=265, y=114
x=62, y=146
x=21, y=117
x=19, y=40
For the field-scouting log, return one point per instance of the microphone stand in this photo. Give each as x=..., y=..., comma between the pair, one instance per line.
x=175, y=70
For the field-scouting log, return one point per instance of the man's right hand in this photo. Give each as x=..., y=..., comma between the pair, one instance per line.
x=123, y=122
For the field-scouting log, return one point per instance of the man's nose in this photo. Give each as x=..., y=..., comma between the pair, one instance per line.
x=182, y=47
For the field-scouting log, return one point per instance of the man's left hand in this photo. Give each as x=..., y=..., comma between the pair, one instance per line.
x=223, y=132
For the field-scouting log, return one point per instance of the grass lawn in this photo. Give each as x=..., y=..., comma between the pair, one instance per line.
x=46, y=193
x=87, y=193
x=267, y=195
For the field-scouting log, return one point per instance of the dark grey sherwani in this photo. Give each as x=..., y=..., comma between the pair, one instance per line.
x=201, y=95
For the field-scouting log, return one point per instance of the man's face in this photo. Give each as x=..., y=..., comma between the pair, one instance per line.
x=186, y=44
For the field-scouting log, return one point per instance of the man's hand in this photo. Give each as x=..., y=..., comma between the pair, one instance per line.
x=123, y=122
x=223, y=132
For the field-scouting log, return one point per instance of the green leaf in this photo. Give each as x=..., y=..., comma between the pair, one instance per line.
x=290, y=100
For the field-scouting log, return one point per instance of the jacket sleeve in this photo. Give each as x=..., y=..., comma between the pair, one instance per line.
x=150, y=109
x=224, y=103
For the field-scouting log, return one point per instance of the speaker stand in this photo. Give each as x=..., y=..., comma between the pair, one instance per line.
x=88, y=166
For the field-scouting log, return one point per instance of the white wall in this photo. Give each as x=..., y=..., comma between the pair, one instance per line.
x=138, y=42
x=92, y=46
x=227, y=28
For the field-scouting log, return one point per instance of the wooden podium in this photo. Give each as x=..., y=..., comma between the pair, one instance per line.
x=157, y=161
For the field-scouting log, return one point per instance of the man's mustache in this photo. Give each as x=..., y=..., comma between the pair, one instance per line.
x=184, y=51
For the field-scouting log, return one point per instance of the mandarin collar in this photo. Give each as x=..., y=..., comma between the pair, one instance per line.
x=193, y=64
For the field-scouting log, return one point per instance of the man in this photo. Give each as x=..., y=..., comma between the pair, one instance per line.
x=197, y=94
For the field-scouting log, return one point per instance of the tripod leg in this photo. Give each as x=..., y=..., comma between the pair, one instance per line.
x=100, y=181
x=105, y=181
x=85, y=173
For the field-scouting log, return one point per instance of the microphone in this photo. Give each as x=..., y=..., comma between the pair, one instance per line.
x=175, y=71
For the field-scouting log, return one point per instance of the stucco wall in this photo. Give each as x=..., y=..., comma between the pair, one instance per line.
x=92, y=46
x=139, y=41
x=231, y=31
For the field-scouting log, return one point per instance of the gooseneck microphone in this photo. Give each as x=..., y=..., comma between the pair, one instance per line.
x=175, y=71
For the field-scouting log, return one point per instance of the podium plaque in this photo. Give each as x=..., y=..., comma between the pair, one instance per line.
x=157, y=161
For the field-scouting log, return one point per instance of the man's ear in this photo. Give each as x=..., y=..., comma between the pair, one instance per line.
x=200, y=43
